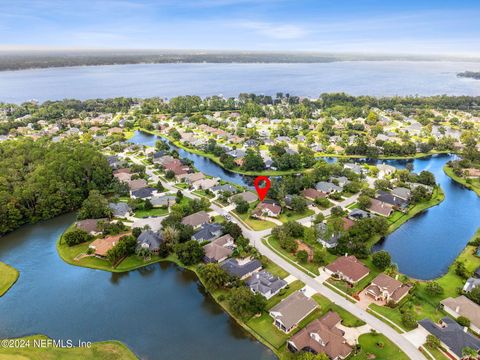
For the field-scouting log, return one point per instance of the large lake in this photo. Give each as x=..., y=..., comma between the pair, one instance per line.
x=378, y=78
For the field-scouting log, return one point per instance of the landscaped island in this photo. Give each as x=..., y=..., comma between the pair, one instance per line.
x=8, y=277
x=39, y=347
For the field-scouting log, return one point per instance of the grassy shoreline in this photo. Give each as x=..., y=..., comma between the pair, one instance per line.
x=34, y=348
x=8, y=277
x=449, y=172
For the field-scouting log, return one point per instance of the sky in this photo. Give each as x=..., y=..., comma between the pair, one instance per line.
x=351, y=26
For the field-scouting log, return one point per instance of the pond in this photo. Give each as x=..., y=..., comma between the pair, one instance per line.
x=160, y=311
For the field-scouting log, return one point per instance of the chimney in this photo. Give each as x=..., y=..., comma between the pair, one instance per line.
x=457, y=309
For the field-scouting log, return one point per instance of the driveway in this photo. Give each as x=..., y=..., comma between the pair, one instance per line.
x=418, y=336
x=366, y=300
x=352, y=333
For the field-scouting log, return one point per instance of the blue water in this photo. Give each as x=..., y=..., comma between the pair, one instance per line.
x=425, y=246
x=201, y=163
x=378, y=78
x=160, y=311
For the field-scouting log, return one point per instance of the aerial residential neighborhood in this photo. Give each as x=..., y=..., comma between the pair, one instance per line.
x=230, y=180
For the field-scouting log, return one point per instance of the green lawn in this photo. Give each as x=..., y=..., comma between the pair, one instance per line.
x=397, y=218
x=202, y=193
x=472, y=184
x=104, y=350
x=255, y=224
x=289, y=215
x=151, y=212
x=348, y=319
x=8, y=277
x=369, y=344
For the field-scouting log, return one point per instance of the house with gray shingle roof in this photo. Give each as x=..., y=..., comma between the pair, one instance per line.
x=290, y=311
x=120, y=209
x=327, y=187
x=208, y=232
x=265, y=284
x=150, y=240
x=451, y=335
x=241, y=268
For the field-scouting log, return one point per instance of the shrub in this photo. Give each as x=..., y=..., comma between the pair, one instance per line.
x=76, y=236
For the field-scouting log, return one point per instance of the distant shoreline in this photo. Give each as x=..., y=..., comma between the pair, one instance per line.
x=13, y=61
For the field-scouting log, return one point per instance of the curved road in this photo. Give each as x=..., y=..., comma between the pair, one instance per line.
x=255, y=238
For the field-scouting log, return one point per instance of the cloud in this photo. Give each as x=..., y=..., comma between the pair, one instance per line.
x=275, y=31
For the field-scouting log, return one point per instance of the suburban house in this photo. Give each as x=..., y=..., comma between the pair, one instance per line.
x=150, y=240
x=265, y=284
x=339, y=180
x=205, y=184
x=219, y=249
x=386, y=288
x=227, y=188
x=384, y=170
x=402, y=193
x=380, y=208
x=197, y=219
x=191, y=178
x=326, y=237
x=463, y=306
x=90, y=226
x=291, y=310
x=264, y=209
x=451, y=335
x=208, y=232
x=357, y=169
x=137, y=184
x=123, y=177
x=101, y=246
x=322, y=336
x=143, y=193
x=347, y=268
x=313, y=194
x=358, y=214
x=248, y=196
x=241, y=268
x=164, y=200
x=327, y=187
x=395, y=201
x=470, y=284
x=120, y=209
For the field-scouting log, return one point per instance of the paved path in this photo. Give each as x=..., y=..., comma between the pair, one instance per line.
x=255, y=238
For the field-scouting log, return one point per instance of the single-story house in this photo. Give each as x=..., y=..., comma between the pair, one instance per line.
x=219, y=249
x=389, y=198
x=327, y=238
x=191, y=178
x=322, y=336
x=347, y=268
x=205, y=184
x=137, y=184
x=197, y=219
x=248, y=196
x=265, y=284
x=386, y=288
x=402, y=193
x=227, y=188
x=150, y=240
x=313, y=194
x=101, y=246
x=327, y=187
x=143, y=193
x=241, y=268
x=91, y=226
x=120, y=209
x=123, y=177
x=451, y=335
x=358, y=214
x=463, y=306
x=289, y=312
x=470, y=284
x=164, y=200
x=208, y=232
x=357, y=169
x=380, y=208
x=267, y=209
x=385, y=170
x=339, y=180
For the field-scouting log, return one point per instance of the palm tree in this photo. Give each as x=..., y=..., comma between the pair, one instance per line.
x=170, y=234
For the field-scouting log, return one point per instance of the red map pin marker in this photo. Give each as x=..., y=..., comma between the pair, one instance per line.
x=262, y=191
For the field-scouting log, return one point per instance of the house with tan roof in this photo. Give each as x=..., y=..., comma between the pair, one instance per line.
x=313, y=194
x=322, y=336
x=137, y=184
x=191, y=178
x=289, y=312
x=264, y=209
x=380, y=208
x=205, y=184
x=219, y=249
x=347, y=268
x=101, y=246
x=197, y=219
x=90, y=226
x=463, y=306
x=248, y=196
x=387, y=289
